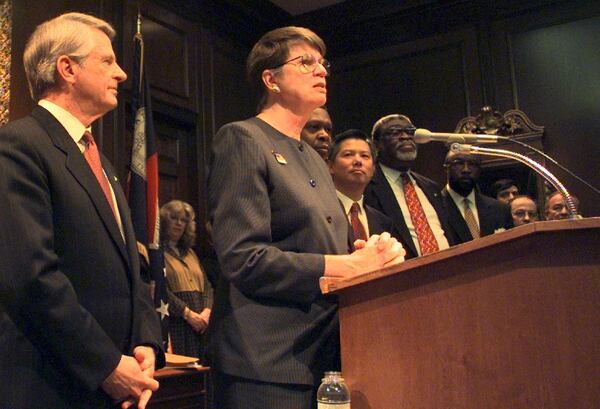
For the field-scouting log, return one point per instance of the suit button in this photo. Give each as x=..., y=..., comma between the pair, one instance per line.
x=312, y=183
x=329, y=219
x=301, y=147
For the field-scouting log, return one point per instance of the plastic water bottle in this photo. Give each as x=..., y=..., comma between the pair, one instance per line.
x=333, y=392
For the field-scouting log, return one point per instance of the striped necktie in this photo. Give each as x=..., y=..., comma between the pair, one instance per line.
x=470, y=220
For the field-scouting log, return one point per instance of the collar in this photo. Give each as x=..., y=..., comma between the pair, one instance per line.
x=393, y=175
x=347, y=202
x=72, y=125
x=459, y=199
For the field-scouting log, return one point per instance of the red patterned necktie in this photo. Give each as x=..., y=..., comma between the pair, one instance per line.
x=425, y=237
x=357, y=227
x=93, y=159
x=470, y=220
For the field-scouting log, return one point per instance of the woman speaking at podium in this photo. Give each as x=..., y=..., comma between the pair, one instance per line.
x=278, y=227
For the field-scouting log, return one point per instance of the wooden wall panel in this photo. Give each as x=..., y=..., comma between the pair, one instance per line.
x=434, y=81
x=170, y=54
x=547, y=66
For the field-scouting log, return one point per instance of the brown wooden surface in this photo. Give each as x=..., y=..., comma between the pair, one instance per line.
x=181, y=389
x=509, y=321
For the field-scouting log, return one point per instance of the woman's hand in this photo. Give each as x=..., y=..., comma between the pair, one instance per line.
x=377, y=252
x=196, y=321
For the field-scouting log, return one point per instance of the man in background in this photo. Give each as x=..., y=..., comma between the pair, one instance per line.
x=556, y=207
x=523, y=210
x=317, y=132
x=411, y=200
x=352, y=164
x=77, y=326
x=471, y=215
x=505, y=190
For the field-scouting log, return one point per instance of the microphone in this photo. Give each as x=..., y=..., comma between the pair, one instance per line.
x=425, y=136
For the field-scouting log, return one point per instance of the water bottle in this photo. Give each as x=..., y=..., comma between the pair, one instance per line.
x=333, y=392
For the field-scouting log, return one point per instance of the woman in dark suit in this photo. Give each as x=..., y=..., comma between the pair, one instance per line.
x=278, y=227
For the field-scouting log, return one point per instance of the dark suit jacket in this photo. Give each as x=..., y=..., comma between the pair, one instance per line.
x=493, y=215
x=378, y=222
x=379, y=194
x=275, y=214
x=72, y=300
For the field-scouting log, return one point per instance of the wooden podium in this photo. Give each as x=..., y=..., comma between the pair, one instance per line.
x=507, y=321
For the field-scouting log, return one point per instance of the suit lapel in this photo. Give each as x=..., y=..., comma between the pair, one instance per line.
x=79, y=168
x=486, y=216
x=390, y=207
x=455, y=219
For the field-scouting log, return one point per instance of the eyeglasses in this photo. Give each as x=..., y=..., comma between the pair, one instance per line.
x=393, y=130
x=308, y=63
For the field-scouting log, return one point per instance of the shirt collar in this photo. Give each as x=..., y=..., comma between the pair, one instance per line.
x=392, y=175
x=347, y=202
x=73, y=126
x=459, y=199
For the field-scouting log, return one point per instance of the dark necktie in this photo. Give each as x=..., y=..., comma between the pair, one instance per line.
x=92, y=156
x=470, y=220
x=357, y=227
x=425, y=237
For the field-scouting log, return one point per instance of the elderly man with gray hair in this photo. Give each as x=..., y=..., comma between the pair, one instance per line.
x=411, y=200
x=77, y=327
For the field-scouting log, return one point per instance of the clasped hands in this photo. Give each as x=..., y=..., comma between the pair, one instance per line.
x=377, y=252
x=385, y=249
x=132, y=381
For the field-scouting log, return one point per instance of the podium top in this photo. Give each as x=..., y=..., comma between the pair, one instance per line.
x=330, y=285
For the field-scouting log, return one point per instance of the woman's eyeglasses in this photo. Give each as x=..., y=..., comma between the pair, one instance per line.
x=308, y=63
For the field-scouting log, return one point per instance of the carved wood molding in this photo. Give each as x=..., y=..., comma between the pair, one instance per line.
x=512, y=123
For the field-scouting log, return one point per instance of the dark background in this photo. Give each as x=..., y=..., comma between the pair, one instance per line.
x=435, y=61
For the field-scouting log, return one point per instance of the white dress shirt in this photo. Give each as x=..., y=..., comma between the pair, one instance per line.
x=393, y=177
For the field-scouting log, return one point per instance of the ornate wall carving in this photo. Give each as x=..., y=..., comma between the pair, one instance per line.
x=5, y=26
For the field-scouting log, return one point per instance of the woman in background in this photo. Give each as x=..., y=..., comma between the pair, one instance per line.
x=190, y=293
x=277, y=229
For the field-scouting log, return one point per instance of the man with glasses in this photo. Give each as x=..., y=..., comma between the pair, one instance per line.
x=411, y=200
x=470, y=214
x=523, y=210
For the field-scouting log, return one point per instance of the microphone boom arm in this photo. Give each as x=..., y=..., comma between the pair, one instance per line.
x=539, y=169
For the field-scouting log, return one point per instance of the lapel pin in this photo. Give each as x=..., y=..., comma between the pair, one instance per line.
x=279, y=158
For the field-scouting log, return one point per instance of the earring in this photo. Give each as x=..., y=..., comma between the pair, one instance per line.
x=275, y=89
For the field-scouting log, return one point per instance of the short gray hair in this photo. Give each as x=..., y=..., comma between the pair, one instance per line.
x=68, y=34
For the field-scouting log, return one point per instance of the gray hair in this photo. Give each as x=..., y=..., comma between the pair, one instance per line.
x=69, y=34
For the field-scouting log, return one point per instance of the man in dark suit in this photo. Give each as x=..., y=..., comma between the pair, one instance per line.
x=352, y=164
x=77, y=328
x=411, y=200
x=471, y=215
